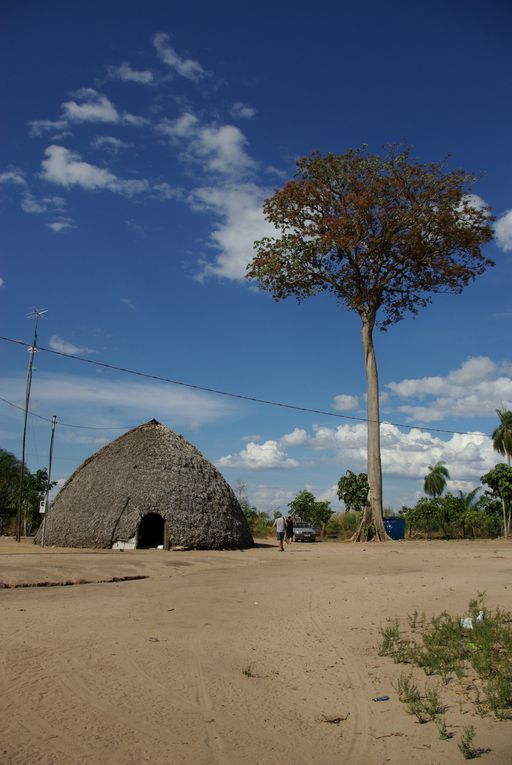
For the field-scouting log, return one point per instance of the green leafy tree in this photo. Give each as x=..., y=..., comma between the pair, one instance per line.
x=435, y=480
x=10, y=467
x=310, y=510
x=382, y=234
x=499, y=481
x=502, y=436
x=353, y=490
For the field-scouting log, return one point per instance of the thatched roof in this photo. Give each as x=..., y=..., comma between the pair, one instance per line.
x=150, y=469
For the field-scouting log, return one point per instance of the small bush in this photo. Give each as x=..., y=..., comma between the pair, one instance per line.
x=466, y=743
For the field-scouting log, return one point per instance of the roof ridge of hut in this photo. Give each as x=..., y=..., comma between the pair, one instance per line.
x=144, y=425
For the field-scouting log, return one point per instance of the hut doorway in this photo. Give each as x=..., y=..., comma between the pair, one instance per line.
x=152, y=531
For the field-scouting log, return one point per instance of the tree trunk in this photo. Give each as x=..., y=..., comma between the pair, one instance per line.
x=505, y=526
x=372, y=522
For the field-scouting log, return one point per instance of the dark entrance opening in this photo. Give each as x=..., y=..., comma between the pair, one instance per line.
x=151, y=531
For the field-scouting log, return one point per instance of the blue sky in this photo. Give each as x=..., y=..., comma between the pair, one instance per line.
x=139, y=140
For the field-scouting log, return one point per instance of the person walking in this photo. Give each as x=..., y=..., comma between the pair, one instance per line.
x=279, y=525
x=289, y=529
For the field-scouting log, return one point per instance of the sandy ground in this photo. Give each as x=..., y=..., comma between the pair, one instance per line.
x=230, y=658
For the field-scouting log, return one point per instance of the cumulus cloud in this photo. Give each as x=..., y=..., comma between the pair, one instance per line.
x=223, y=150
x=125, y=73
x=66, y=168
x=266, y=456
x=503, y=231
x=478, y=387
x=13, y=176
x=407, y=454
x=297, y=437
x=345, y=403
x=185, y=126
x=238, y=208
x=89, y=106
x=242, y=111
x=218, y=149
x=186, y=67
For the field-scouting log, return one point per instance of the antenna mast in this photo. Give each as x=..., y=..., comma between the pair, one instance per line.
x=37, y=314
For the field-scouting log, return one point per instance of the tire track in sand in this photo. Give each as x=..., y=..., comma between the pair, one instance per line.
x=361, y=736
x=212, y=737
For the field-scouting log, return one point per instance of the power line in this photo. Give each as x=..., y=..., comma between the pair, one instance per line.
x=218, y=392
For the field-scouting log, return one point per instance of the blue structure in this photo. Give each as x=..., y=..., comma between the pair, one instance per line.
x=395, y=527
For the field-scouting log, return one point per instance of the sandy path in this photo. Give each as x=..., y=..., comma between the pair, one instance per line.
x=229, y=658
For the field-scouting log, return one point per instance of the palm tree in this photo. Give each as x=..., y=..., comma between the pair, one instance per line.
x=435, y=480
x=502, y=436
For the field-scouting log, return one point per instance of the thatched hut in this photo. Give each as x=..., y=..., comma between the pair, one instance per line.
x=148, y=488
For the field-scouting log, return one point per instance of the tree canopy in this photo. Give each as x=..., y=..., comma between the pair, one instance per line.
x=502, y=435
x=309, y=509
x=382, y=234
x=353, y=490
x=499, y=481
x=435, y=480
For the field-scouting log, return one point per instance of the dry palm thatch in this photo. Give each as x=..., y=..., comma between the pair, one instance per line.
x=150, y=469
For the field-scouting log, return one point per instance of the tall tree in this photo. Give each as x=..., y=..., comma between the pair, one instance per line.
x=502, y=436
x=382, y=234
x=435, y=481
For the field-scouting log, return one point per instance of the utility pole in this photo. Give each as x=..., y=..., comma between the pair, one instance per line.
x=50, y=458
x=35, y=313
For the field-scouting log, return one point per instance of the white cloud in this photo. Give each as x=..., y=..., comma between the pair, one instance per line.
x=62, y=224
x=185, y=126
x=222, y=150
x=33, y=206
x=90, y=106
x=116, y=402
x=66, y=168
x=266, y=456
x=241, y=221
x=218, y=149
x=134, y=120
x=109, y=142
x=13, y=176
x=128, y=302
x=345, y=403
x=186, y=67
x=408, y=454
x=64, y=346
x=1, y=282
x=125, y=73
x=478, y=387
x=40, y=127
x=503, y=231
x=297, y=437
x=240, y=110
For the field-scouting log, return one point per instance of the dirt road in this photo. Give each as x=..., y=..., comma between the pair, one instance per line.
x=230, y=658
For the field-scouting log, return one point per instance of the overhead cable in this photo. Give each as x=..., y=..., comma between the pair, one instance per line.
x=219, y=392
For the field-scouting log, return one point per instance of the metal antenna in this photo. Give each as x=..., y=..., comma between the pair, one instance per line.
x=49, y=474
x=34, y=313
